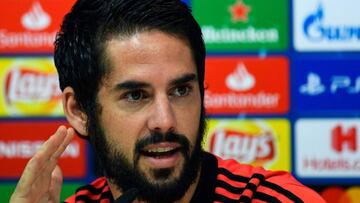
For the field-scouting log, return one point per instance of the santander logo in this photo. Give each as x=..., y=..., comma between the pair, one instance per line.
x=27, y=86
x=36, y=18
x=240, y=79
x=242, y=146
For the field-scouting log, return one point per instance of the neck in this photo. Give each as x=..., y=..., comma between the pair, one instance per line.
x=117, y=192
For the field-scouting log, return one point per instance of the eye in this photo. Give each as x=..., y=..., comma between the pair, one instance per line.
x=135, y=96
x=182, y=91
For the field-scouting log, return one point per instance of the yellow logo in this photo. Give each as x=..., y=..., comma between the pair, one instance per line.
x=30, y=87
x=257, y=142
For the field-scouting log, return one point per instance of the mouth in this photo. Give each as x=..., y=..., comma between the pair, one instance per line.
x=160, y=152
x=162, y=155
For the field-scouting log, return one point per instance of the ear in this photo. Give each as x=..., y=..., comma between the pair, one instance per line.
x=74, y=114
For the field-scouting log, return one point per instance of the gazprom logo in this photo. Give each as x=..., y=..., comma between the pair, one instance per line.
x=326, y=25
x=315, y=29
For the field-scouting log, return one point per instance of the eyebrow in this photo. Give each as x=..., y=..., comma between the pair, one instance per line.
x=130, y=85
x=189, y=77
x=134, y=85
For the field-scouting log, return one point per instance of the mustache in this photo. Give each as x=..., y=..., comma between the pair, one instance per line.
x=156, y=137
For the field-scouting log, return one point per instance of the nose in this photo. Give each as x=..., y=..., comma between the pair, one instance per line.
x=162, y=118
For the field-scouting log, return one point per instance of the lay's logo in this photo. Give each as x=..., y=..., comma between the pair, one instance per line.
x=24, y=85
x=259, y=142
x=244, y=147
x=30, y=87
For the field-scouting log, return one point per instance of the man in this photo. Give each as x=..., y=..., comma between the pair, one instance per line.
x=132, y=74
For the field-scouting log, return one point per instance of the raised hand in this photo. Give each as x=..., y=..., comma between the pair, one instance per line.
x=42, y=179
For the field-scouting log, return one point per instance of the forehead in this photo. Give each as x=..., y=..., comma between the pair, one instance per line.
x=148, y=54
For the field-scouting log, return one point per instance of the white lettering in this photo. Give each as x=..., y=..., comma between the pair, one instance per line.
x=219, y=142
x=30, y=86
x=27, y=149
x=248, y=35
x=344, y=83
x=26, y=39
x=245, y=149
x=316, y=30
x=232, y=100
x=339, y=82
x=356, y=88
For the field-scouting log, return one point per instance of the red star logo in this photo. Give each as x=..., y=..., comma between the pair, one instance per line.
x=239, y=11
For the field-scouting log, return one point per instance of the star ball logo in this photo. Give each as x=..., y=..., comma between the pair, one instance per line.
x=243, y=24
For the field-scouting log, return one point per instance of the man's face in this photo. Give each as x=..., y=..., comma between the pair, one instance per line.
x=149, y=113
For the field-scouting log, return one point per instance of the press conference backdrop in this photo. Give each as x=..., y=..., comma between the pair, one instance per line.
x=282, y=78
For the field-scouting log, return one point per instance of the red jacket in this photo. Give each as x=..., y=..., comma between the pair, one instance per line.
x=224, y=181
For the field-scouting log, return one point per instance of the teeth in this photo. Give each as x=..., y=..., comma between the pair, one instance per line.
x=158, y=150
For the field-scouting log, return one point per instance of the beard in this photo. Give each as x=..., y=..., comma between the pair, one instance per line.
x=162, y=188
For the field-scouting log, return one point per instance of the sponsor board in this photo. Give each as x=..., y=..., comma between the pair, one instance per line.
x=246, y=85
x=30, y=25
x=6, y=190
x=29, y=87
x=326, y=25
x=67, y=190
x=327, y=148
x=242, y=25
x=326, y=85
x=19, y=141
x=337, y=193
x=259, y=142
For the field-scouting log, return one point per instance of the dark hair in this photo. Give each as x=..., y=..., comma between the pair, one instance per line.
x=79, y=47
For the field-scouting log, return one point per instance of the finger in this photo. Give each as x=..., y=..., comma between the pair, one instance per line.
x=49, y=168
x=53, y=144
x=44, y=183
x=53, y=194
x=69, y=136
x=37, y=163
x=56, y=183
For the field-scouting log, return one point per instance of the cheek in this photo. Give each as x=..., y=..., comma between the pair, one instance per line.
x=188, y=121
x=122, y=132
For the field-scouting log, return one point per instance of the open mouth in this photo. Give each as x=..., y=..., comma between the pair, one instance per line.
x=161, y=155
x=160, y=152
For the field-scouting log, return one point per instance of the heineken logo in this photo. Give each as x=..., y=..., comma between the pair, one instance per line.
x=242, y=24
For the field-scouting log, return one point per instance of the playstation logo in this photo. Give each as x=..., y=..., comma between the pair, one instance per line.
x=313, y=86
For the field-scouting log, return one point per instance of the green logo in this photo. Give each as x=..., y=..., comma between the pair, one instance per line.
x=243, y=25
